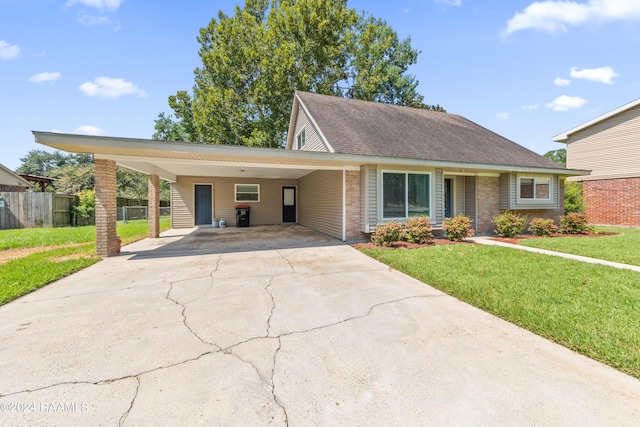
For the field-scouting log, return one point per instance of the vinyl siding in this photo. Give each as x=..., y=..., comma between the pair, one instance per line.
x=470, y=199
x=610, y=148
x=368, y=198
x=505, y=190
x=438, y=199
x=266, y=212
x=320, y=202
x=313, y=141
x=459, y=201
x=513, y=196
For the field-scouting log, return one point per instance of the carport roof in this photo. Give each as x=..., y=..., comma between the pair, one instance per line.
x=170, y=159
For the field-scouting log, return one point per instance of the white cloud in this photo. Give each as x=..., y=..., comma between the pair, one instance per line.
x=8, y=51
x=554, y=15
x=531, y=107
x=89, y=130
x=98, y=4
x=566, y=103
x=602, y=75
x=450, y=2
x=107, y=87
x=54, y=130
x=90, y=20
x=45, y=77
x=561, y=82
x=502, y=116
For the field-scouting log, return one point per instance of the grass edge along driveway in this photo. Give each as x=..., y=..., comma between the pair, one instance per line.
x=23, y=275
x=591, y=309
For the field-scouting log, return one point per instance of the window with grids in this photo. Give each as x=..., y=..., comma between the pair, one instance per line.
x=247, y=192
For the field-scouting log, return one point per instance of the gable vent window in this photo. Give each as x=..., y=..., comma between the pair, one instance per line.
x=247, y=192
x=534, y=188
x=301, y=139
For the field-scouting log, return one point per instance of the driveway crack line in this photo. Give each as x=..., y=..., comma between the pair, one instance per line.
x=273, y=384
x=184, y=317
x=293, y=270
x=124, y=416
x=273, y=305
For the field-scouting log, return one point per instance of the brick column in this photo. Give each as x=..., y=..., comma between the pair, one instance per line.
x=353, y=214
x=488, y=193
x=154, y=206
x=106, y=238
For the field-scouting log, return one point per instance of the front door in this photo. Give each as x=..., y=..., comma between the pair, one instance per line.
x=448, y=198
x=289, y=204
x=203, y=204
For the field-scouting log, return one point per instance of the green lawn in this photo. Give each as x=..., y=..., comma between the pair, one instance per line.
x=624, y=247
x=23, y=275
x=589, y=308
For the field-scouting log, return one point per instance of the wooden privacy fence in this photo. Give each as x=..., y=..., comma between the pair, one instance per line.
x=35, y=210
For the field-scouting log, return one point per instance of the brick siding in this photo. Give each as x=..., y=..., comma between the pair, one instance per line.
x=352, y=183
x=106, y=243
x=488, y=191
x=12, y=188
x=154, y=206
x=613, y=201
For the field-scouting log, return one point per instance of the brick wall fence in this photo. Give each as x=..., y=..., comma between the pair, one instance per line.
x=613, y=201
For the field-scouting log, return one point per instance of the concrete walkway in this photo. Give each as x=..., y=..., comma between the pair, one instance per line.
x=188, y=329
x=484, y=240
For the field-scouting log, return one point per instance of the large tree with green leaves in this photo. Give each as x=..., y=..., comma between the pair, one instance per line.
x=254, y=60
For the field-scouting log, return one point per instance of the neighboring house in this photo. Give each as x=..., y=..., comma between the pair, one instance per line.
x=608, y=146
x=348, y=167
x=11, y=182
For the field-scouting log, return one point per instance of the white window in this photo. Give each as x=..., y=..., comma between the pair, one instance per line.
x=405, y=195
x=247, y=192
x=530, y=188
x=301, y=139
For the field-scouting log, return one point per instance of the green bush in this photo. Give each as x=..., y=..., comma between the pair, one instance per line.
x=542, y=227
x=573, y=200
x=509, y=224
x=417, y=230
x=574, y=223
x=86, y=207
x=385, y=235
x=458, y=228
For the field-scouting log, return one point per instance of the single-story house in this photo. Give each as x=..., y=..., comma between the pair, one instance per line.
x=11, y=182
x=609, y=146
x=348, y=166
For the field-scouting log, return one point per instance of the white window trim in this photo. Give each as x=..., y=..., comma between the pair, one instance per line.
x=405, y=172
x=302, y=131
x=235, y=194
x=535, y=178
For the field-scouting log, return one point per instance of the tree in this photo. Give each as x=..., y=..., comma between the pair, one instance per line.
x=254, y=60
x=558, y=156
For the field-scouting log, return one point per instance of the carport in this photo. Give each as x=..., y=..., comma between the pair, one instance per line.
x=321, y=183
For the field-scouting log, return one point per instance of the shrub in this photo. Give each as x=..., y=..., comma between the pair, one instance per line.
x=574, y=223
x=542, y=227
x=573, y=199
x=509, y=224
x=385, y=235
x=86, y=206
x=417, y=230
x=458, y=228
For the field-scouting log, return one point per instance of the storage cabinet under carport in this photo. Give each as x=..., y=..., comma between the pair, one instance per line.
x=243, y=215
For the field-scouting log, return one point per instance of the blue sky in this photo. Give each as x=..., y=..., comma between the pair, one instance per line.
x=526, y=70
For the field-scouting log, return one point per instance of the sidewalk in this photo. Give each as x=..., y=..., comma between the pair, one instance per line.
x=487, y=240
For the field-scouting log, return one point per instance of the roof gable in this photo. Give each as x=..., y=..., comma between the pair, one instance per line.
x=8, y=177
x=369, y=128
x=564, y=137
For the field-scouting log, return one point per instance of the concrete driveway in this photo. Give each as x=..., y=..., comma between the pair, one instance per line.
x=281, y=326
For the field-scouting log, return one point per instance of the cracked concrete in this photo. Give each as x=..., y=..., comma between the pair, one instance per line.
x=212, y=328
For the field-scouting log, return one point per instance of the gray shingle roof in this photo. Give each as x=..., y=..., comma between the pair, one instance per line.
x=370, y=128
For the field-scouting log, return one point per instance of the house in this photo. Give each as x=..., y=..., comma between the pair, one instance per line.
x=609, y=146
x=12, y=182
x=348, y=167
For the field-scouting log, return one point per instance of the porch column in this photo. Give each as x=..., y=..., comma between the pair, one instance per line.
x=154, y=206
x=106, y=243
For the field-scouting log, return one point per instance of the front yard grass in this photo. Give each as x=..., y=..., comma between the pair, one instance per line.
x=45, y=265
x=623, y=247
x=589, y=308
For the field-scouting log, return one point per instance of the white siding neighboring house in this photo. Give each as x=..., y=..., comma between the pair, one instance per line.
x=608, y=146
x=11, y=181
